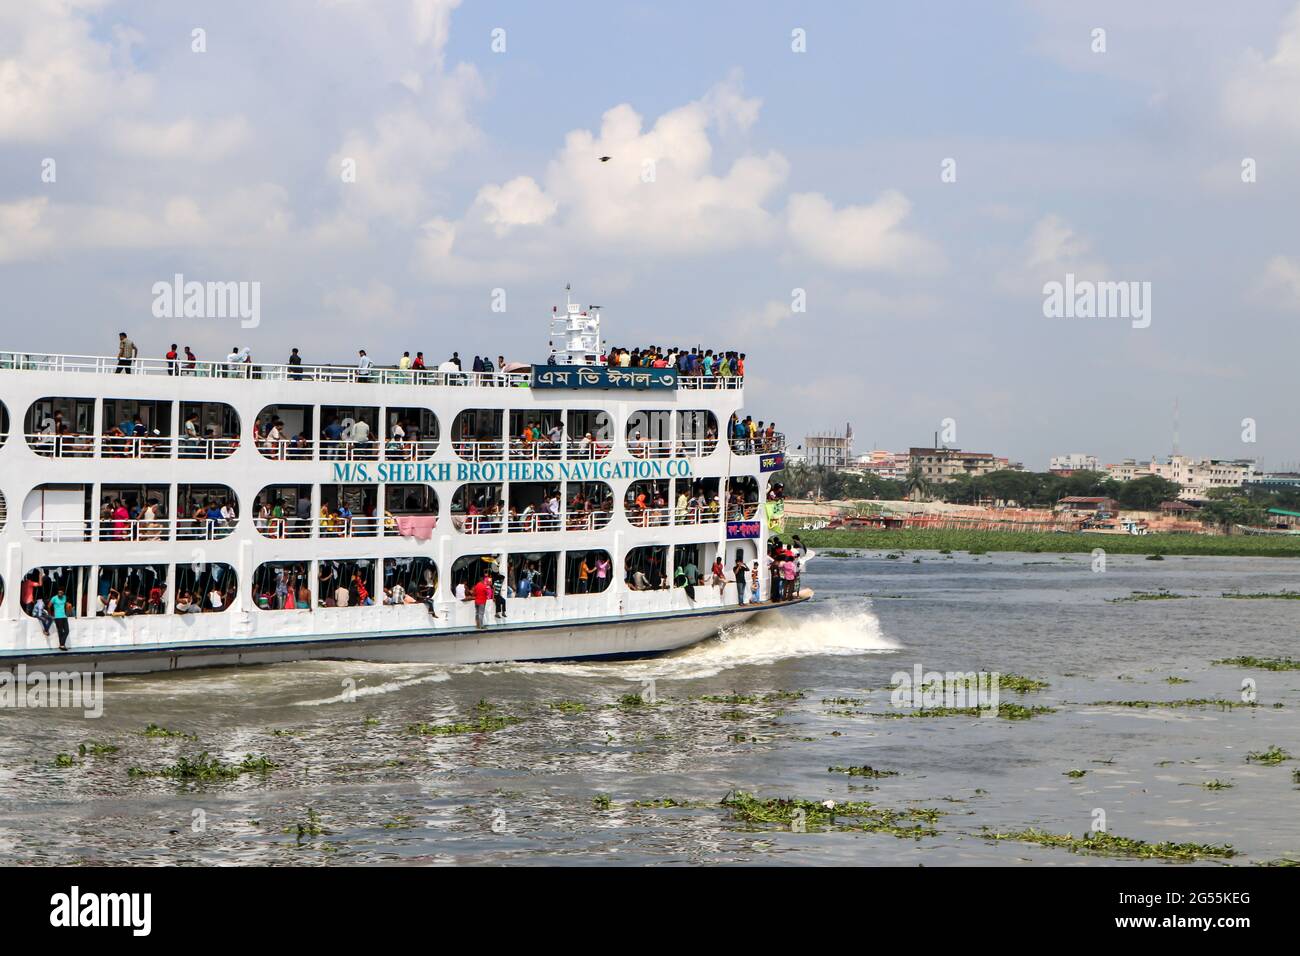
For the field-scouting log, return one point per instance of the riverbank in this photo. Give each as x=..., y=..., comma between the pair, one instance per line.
x=921, y=539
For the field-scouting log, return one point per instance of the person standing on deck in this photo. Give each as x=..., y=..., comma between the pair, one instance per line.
x=126, y=353
x=739, y=571
x=719, y=577
x=482, y=591
x=172, y=355
x=499, y=594
x=59, y=606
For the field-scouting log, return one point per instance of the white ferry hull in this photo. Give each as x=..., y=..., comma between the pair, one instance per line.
x=629, y=637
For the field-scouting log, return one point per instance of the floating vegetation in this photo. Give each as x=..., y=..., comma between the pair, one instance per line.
x=1107, y=844
x=1263, y=663
x=1271, y=757
x=399, y=822
x=1264, y=596
x=729, y=699
x=893, y=557
x=663, y=803
x=207, y=768
x=601, y=801
x=1160, y=595
x=632, y=702
x=1281, y=861
x=1074, y=774
x=1176, y=680
x=306, y=829
x=370, y=721
x=485, y=724
x=1217, y=784
x=863, y=771
x=913, y=822
x=1155, y=557
x=733, y=715
x=153, y=730
x=1007, y=711
x=835, y=554
x=280, y=732
x=64, y=760
x=568, y=706
x=93, y=748
x=1221, y=702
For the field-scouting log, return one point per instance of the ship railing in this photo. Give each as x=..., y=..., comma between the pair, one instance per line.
x=671, y=447
x=50, y=445
x=535, y=523
x=205, y=449
x=474, y=449
x=546, y=450
x=758, y=445
x=256, y=371
x=209, y=529
x=747, y=512
x=344, y=450
x=650, y=517
x=136, y=446
x=287, y=449
x=414, y=449
x=92, y=529
x=357, y=526
x=711, y=381
x=697, y=515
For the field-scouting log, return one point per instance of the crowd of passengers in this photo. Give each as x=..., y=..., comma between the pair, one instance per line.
x=649, y=509
x=697, y=361
x=583, y=513
x=749, y=437
x=120, y=520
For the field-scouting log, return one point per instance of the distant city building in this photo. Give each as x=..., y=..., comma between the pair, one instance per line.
x=1075, y=503
x=941, y=465
x=830, y=449
x=1275, y=481
x=1196, y=476
x=1066, y=465
x=892, y=466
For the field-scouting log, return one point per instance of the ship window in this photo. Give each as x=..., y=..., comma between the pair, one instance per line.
x=349, y=433
x=346, y=583
x=126, y=590
x=62, y=427
x=697, y=433
x=536, y=434
x=4, y=424
x=476, y=434
x=646, y=568
x=417, y=577
x=697, y=500
x=688, y=564
x=207, y=430
x=204, y=587
x=531, y=504
x=133, y=513
x=412, y=434
x=649, y=434
x=134, y=428
x=58, y=513
x=742, y=498
x=590, y=433
x=284, y=511
x=647, y=504
x=533, y=574
x=285, y=432
x=477, y=509
x=582, y=571
x=205, y=512
x=279, y=586
x=48, y=581
x=349, y=511
x=588, y=505
x=469, y=569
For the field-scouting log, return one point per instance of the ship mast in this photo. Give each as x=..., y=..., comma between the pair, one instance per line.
x=575, y=332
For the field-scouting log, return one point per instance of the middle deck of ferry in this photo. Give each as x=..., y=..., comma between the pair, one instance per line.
x=231, y=500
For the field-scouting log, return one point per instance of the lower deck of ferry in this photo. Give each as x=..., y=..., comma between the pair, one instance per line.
x=622, y=635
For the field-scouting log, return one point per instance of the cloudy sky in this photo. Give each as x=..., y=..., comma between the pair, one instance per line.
x=746, y=174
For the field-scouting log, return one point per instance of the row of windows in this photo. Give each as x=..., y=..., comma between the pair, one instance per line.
x=145, y=589
x=153, y=429
x=69, y=513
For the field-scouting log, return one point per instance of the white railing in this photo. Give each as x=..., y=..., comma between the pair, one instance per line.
x=670, y=447
x=92, y=529
x=148, y=446
x=260, y=371
x=206, y=449
x=210, y=529
x=473, y=449
x=256, y=371
x=758, y=446
x=340, y=450
x=62, y=446
x=418, y=449
x=287, y=450
x=539, y=522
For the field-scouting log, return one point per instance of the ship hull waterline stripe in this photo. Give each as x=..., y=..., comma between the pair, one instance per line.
x=354, y=646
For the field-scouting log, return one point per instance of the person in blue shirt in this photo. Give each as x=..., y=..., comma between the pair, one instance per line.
x=59, y=607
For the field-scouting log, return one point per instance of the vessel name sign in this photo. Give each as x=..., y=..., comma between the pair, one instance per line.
x=490, y=471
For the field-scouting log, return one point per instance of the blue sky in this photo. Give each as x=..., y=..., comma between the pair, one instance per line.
x=774, y=171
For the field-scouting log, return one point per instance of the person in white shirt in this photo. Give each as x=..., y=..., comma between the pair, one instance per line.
x=364, y=366
x=361, y=431
x=460, y=591
x=232, y=362
x=214, y=598
x=341, y=596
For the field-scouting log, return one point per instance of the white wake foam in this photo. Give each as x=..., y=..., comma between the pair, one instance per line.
x=388, y=687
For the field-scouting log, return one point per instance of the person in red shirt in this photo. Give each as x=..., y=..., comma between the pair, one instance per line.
x=482, y=594
x=171, y=360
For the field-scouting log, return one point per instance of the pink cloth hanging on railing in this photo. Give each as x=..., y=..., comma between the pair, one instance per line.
x=419, y=527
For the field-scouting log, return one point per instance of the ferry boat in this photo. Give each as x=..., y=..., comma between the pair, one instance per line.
x=202, y=513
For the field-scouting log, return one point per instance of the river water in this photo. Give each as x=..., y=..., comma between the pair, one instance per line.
x=352, y=784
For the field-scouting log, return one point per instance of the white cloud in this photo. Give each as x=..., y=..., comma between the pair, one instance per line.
x=24, y=230
x=1281, y=283
x=188, y=139
x=1263, y=93
x=520, y=202
x=859, y=237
